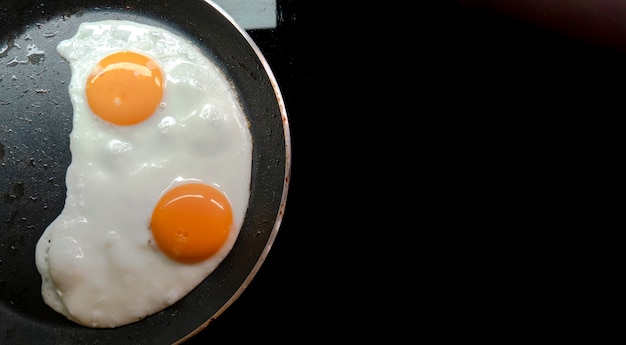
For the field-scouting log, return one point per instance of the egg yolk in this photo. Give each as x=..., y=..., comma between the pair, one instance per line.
x=191, y=222
x=125, y=88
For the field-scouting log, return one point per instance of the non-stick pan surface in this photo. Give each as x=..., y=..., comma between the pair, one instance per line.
x=35, y=123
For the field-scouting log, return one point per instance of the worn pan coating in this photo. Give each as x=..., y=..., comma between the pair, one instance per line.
x=35, y=122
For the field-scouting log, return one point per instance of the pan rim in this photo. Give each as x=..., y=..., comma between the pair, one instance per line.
x=279, y=216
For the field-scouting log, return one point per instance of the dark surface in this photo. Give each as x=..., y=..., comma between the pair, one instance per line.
x=535, y=58
x=533, y=89
x=273, y=294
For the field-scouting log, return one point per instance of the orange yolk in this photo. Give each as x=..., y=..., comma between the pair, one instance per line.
x=125, y=88
x=191, y=222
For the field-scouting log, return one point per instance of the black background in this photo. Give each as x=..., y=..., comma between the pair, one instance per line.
x=543, y=60
x=483, y=114
x=526, y=97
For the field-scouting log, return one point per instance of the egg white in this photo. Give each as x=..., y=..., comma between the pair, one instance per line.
x=98, y=261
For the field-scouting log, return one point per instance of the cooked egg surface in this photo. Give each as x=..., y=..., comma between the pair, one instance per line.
x=159, y=180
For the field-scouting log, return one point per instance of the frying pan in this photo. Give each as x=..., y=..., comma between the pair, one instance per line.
x=35, y=123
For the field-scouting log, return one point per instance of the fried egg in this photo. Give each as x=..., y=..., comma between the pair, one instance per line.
x=159, y=181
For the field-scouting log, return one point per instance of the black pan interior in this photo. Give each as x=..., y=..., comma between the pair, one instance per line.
x=35, y=122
